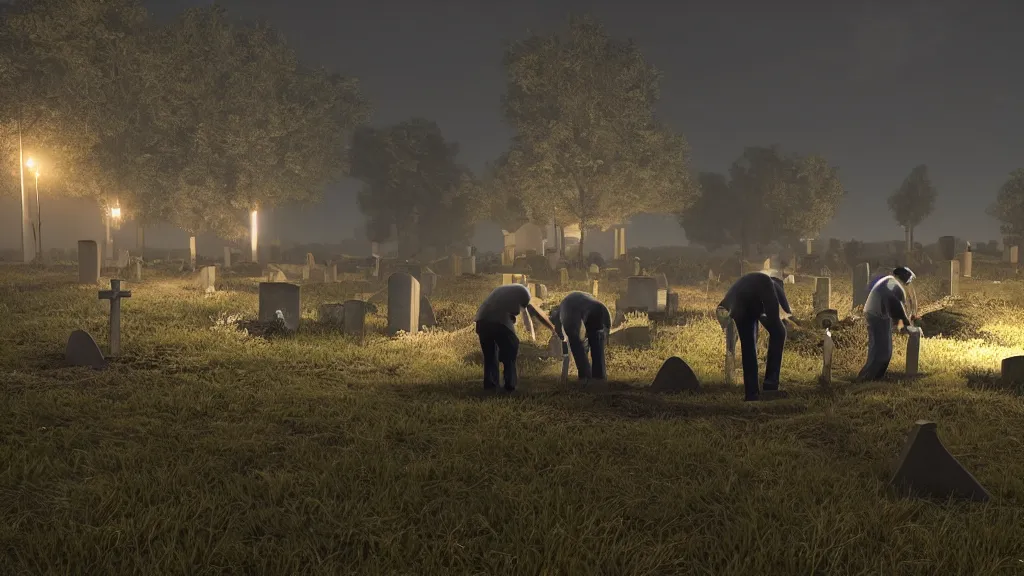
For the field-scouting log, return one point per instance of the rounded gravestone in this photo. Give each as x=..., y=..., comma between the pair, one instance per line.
x=1012, y=372
x=675, y=376
x=82, y=350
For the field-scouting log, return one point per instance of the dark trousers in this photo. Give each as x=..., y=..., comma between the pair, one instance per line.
x=879, y=348
x=499, y=344
x=747, y=330
x=597, y=338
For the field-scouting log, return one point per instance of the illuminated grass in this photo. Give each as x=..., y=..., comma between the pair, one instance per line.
x=207, y=451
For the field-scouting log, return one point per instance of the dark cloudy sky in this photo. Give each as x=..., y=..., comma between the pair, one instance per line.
x=876, y=87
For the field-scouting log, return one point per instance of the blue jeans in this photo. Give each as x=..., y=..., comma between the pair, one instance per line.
x=596, y=337
x=747, y=330
x=879, y=347
x=499, y=344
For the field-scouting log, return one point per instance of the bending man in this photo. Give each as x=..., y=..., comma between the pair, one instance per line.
x=577, y=311
x=496, y=327
x=883, y=307
x=757, y=297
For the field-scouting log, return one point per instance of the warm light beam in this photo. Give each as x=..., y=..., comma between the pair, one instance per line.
x=115, y=212
x=254, y=234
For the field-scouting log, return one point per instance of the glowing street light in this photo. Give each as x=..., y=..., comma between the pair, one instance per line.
x=115, y=212
x=32, y=165
x=254, y=234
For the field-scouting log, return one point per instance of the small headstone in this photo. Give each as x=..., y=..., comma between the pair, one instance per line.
x=469, y=264
x=332, y=272
x=124, y=257
x=594, y=269
x=82, y=350
x=276, y=275
x=822, y=299
x=541, y=291
x=333, y=314
x=137, y=271
x=675, y=376
x=428, y=283
x=208, y=279
x=861, y=277
x=563, y=276
x=966, y=265
x=1012, y=372
x=913, y=350
x=375, y=267
x=427, y=318
x=355, y=317
x=925, y=468
x=951, y=279
x=594, y=288
x=555, y=346
x=227, y=257
x=403, y=304
x=281, y=297
x=88, y=262
x=310, y=261
x=455, y=264
x=642, y=293
x=767, y=264
x=632, y=337
x=789, y=279
x=636, y=266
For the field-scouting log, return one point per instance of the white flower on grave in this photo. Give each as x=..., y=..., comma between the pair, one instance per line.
x=279, y=315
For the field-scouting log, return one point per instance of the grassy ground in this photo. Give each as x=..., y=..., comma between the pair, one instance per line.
x=207, y=451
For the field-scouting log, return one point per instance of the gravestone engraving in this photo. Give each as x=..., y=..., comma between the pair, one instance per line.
x=403, y=304
x=282, y=297
x=208, y=279
x=427, y=318
x=947, y=246
x=88, y=262
x=355, y=317
x=114, y=295
x=951, y=279
x=82, y=350
x=675, y=376
x=333, y=314
x=925, y=468
x=822, y=299
x=913, y=349
x=861, y=277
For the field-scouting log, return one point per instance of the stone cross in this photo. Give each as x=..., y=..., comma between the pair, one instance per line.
x=114, y=295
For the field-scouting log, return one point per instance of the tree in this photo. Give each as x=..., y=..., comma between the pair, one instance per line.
x=1009, y=205
x=588, y=149
x=413, y=186
x=768, y=197
x=502, y=203
x=913, y=201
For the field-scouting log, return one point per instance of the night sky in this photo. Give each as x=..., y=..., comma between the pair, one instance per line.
x=876, y=90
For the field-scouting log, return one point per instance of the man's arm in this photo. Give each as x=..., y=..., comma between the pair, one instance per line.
x=897, y=309
x=783, y=301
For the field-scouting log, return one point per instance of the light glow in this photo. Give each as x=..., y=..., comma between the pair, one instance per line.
x=115, y=212
x=30, y=162
x=254, y=234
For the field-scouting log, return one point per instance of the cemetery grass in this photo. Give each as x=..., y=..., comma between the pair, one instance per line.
x=205, y=450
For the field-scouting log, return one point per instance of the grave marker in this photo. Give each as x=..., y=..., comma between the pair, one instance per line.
x=594, y=269
x=115, y=294
x=469, y=264
x=208, y=279
x=137, y=270
x=563, y=276
x=455, y=262
x=1014, y=253
x=332, y=272
x=281, y=297
x=636, y=266
x=913, y=349
x=822, y=293
x=403, y=304
x=827, y=347
x=88, y=262
x=951, y=279
x=355, y=317
x=310, y=261
x=427, y=318
x=82, y=350
x=967, y=264
x=925, y=468
x=675, y=376
x=227, y=257
x=861, y=277
x=642, y=293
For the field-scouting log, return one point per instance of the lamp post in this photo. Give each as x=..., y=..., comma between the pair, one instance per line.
x=113, y=215
x=33, y=165
x=26, y=214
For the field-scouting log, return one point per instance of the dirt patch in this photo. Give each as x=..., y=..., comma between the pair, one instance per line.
x=953, y=323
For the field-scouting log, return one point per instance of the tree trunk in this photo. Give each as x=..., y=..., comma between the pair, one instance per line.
x=581, y=257
x=192, y=251
x=911, y=238
x=910, y=243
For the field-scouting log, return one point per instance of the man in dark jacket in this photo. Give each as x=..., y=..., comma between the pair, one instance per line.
x=577, y=311
x=754, y=298
x=884, y=306
x=496, y=327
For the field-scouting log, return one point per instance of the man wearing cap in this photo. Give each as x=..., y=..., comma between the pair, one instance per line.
x=577, y=311
x=757, y=298
x=495, y=325
x=884, y=306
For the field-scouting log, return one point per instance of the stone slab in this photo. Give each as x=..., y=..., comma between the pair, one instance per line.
x=926, y=469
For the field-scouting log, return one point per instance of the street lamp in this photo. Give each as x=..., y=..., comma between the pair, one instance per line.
x=113, y=217
x=31, y=164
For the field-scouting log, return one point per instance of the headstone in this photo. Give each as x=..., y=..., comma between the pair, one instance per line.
x=827, y=347
x=469, y=264
x=227, y=257
x=966, y=265
x=403, y=304
x=88, y=262
x=636, y=266
x=82, y=350
x=208, y=279
x=375, y=249
x=541, y=291
x=1012, y=372
x=675, y=376
x=563, y=276
x=137, y=270
x=375, y=268
x=192, y=253
x=1014, y=253
x=333, y=314
x=767, y=264
x=822, y=299
x=428, y=283
x=427, y=318
x=947, y=245
x=861, y=277
x=508, y=255
x=124, y=257
x=281, y=297
x=951, y=279
x=632, y=337
x=355, y=317
x=662, y=281
x=455, y=263
x=642, y=293
x=789, y=279
x=925, y=468
x=594, y=269
x=672, y=304
x=115, y=294
x=332, y=272
x=555, y=346
x=913, y=350
x=310, y=261
x=276, y=275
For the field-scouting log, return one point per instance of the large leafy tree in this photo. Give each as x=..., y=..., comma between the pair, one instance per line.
x=413, y=186
x=588, y=149
x=769, y=196
x=1009, y=205
x=913, y=201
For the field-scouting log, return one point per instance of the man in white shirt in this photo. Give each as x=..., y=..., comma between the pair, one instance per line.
x=496, y=327
x=883, y=307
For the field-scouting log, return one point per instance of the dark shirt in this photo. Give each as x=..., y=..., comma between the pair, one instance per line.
x=754, y=295
x=577, y=309
x=503, y=305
